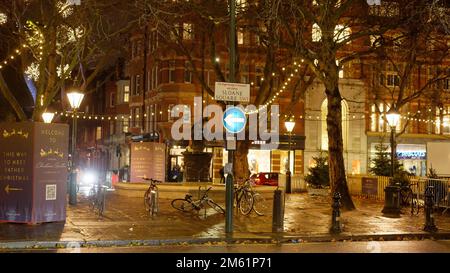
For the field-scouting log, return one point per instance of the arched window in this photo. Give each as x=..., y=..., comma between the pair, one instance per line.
x=324, y=132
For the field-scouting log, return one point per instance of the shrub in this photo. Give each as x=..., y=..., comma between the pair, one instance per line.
x=318, y=175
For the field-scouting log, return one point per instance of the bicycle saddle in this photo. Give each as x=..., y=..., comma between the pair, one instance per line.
x=188, y=196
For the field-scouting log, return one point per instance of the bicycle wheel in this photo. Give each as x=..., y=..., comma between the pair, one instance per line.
x=260, y=205
x=152, y=203
x=406, y=196
x=182, y=205
x=415, y=206
x=215, y=206
x=92, y=198
x=246, y=203
x=101, y=202
x=147, y=199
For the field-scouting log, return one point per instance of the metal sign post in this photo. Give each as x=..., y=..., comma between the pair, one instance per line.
x=229, y=180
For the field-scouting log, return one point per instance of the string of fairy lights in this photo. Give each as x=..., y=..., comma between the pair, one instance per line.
x=138, y=118
x=35, y=40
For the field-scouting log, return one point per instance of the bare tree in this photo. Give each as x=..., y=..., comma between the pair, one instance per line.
x=208, y=39
x=61, y=45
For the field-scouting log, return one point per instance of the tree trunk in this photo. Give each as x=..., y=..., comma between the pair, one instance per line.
x=336, y=149
x=240, y=166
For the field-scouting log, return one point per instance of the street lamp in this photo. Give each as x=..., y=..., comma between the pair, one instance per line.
x=290, y=123
x=392, y=191
x=48, y=117
x=75, y=99
x=393, y=117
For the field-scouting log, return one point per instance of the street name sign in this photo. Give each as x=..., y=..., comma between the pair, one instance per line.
x=229, y=91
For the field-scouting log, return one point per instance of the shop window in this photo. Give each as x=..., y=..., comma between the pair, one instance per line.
x=356, y=166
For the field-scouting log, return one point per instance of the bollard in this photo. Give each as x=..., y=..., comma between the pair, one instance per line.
x=278, y=211
x=392, y=200
x=429, y=207
x=335, y=217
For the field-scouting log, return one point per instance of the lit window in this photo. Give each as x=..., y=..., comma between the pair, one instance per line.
x=373, y=119
x=240, y=37
x=316, y=33
x=126, y=93
x=187, y=32
x=341, y=33
x=126, y=123
x=98, y=133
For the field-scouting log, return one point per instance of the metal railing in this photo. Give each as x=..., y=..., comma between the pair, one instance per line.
x=373, y=187
x=441, y=187
x=298, y=183
x=367, y=186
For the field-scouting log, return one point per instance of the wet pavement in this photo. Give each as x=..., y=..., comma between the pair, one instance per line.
x=126, y=219
x=424, y=246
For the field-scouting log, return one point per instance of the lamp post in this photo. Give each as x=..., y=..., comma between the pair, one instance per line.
x=47, y=117
x=290, y=123
x=392, y=191
x=75, y=99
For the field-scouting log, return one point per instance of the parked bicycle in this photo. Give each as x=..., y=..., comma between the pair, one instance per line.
x=243, y=196
x=260, y=204
x=151, y=203
x=188, y=204
x=97, y=198
x=410, y=197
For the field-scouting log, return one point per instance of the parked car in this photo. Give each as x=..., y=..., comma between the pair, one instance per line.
x=265, y=178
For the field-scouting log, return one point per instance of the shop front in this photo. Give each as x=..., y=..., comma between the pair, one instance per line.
x=411, y=156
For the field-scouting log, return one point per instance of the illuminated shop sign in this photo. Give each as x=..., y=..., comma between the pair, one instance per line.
x=411, y=155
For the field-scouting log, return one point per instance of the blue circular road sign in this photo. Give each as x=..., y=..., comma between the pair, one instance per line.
x=234, y=119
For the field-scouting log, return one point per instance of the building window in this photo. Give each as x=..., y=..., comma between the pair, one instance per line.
x=373, y=118
x=112, y=98
x=187, y=32
x=155, y=77
x=316, y=33
x=187, y=72
x=259, y=75
x=341, y=33
x=111, y=127
x=126, y=124
x=126, y=93
x=98, y=133
x=137, y=117
x=446, y=83
x=240, y=37
x=385, y=9
x=172, y=71
x=392, y=80
x=147, y=82
x=137, y=85
x=147, y=119
x=169, y=112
